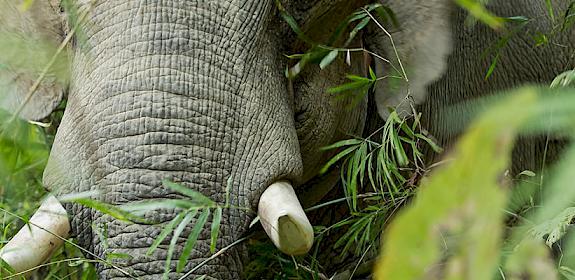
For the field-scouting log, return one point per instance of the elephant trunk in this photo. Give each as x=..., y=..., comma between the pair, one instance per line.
x=187, y=91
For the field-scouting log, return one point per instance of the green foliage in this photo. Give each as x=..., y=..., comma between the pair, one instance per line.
x=445, y=225
x=325, y=54
x=554, y=229
x=564, y=79
x=193, y=203
x=359, y=86
x=390, y=167
x=531, y=260
x=269, y=263
x=457, y=215
x=510, y=27
x=477, y=10
x=443, y=231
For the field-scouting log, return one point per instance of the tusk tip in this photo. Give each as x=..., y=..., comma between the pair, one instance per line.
x=284, y=220
x=295, y=238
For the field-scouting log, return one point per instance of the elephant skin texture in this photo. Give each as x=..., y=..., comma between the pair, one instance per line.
x=195, y=92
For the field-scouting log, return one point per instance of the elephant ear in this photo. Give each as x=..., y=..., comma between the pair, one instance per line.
x=30, y=33
x=422, y=43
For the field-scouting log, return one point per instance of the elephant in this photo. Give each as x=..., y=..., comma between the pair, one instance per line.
x=194, y=92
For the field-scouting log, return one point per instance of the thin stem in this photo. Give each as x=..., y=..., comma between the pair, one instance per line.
x=48, y=66
x=359, y=261
x=218, y=253
x=392, y=43
x=48, y=264
x=335, y=201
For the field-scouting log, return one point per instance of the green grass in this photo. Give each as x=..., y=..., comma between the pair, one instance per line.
x=432, y=226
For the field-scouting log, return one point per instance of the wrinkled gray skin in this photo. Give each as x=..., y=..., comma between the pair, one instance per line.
x=444, y=78
x=520, y=63
x=194, y=92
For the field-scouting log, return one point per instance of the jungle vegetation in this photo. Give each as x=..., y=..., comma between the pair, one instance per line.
x=403, y=222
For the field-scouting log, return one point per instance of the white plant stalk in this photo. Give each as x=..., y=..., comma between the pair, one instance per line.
x=36, y=241
x=284, y=220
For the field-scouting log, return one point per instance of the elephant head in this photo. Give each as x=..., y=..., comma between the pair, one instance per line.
x=194, y=92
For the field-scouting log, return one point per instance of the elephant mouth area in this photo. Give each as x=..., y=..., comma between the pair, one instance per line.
x=132, y=242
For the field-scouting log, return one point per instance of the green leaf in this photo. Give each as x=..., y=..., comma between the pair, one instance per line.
x=350, y=86
x=328, y=59
x=436, y=148
x=357, y=16
x=402, y=159
x=356, y=78
x=569, y=17
x=372, y=75
x=196, y=196
x=550, y=10
x=336, y=158
x=111, y=210
x=555, y=228
x=363, y=23
x=215, y=228
x=477, y=10
x=143, y=206
x=192, y=238
x=387, y=15
x=492, y=66
x=517, y=19
x=564, y=79
x=451, y=203
x=177, y=232
x=527, y=173
x=118, y=256
x=6, y=269
x=292, y=23
x=165, y=231
x=567, y=272
x=342, y=143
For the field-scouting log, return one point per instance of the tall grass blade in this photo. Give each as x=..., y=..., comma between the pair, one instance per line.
x=192, y=238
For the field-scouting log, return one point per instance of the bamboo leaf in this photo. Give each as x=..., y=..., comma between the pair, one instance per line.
x=477, y=10
x=292, y=23
x=177, y=232
x=328, y=59
x=111, y=210
x=215, y=228
x=192, y=238
x=550, y=10
x=141, y=207
x=555, y=228
x=336, y=158
x=342, y=143
x=165, y=231
x=196, y=196
x=372, y=75
x=387, y=15
x=363, y=23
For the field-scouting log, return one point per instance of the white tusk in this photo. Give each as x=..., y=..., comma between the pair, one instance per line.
x=35, y=242
x=284, y=220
